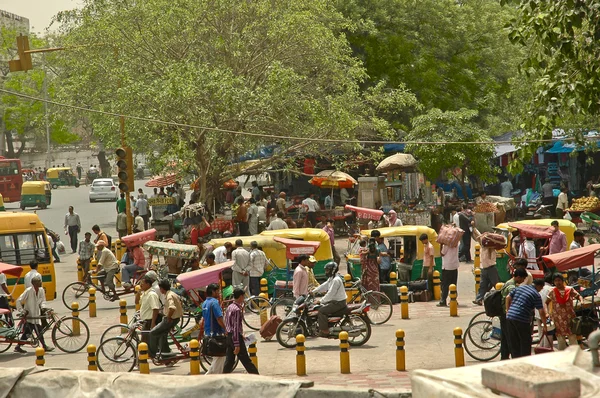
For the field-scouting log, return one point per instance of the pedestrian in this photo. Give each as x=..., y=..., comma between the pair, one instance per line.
x=241, y=266
x=54, y=238
x=489, y=272
x=506, y=188
x=31, y=274
x=258, y=264
x=558, y=242
x=121, y=224
x=132, y=202
x=548, y=195
x=450, y=266
x=32, y=304
x=368, y=262
x=252, y=217
x=562, y=313
x=213, y=323
x=464, y=221
x=138, y=222
x=312, y=207
x=199, y=231
x=300, y=285
x=578, y=240
x=277, y=222
x=110, y=267
x=519, y=275
x=522, y=263
x=72, y=227
x=520, y=304
x=5, y=299
x=100, y=235
x=142, y=207
x=221, y=252
x=149, y=307
x=172, y=313
x=395, y=243
x=86, y=252
x=331, y=232
x=121, y=204
x=79, y=170
x=235, y=337
x=384, y=260
x=563, y=203
x=280, y=204
x=241, y=216
x=428, y=260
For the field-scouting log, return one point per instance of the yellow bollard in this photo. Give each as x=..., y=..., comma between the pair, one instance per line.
x=137, y=290
x=348, y=285
x=39, y=356
x=113, y=249
x=459, y=352
x=264, y=287
x=264, y=316
x=300, y=358
x=400, y=353
x=93, y=265
x=118, y=282
x=75, y=313
x=453, y=303
x=123, y=311
x=437, y=286
x=394, y=278
x=92, y=307
x=143, y=358
x=499, y=286
x=404, y=302
x=344, y=354
x=91, y=350
x=477, y=261
x=477, y=273
x=194, y=357
x=252, y=354
x=79, y=271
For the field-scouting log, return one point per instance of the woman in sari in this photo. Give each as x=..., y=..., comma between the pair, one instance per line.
x=562, y=312
x=370, y=266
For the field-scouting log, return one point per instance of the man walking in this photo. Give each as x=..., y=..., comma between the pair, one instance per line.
x=121, y=204
x=489, y=272
x=86, y=251
x=464, y=222
x=253, y=217
x=79, y=170
x=241, y=266
x=212, y=320
x=258, y=263
x=558, y=242
x=72, y=227
x=235, y=338
x=142, y=207
x=121, y=224
x=450, y=265
x=311, y=206
x=520, y=305
x=331, y=232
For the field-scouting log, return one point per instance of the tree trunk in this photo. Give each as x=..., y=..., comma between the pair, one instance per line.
x=10, y=146
x=104, y=164
x=463, y=184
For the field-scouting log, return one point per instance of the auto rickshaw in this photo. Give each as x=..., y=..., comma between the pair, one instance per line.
x=35, y=194
x=61, y=177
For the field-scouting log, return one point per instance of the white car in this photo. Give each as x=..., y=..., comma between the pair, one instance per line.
x=103, y=189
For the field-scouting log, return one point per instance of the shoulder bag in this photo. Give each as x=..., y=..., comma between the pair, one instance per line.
x=213, y=345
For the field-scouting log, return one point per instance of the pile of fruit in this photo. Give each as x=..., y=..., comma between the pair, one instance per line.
x=486, y=207
x=585, y=204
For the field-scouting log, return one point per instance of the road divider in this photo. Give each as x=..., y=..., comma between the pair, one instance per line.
x=404, y=302
x=76, y=325
x=39, y=356
x=194, y=357
x=92, y=306
x=143, y=358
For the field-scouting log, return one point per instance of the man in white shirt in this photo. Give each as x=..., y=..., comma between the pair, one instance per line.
x=221, y=253
x=335, y=298
x=450, y=265
x=31, y=303
x=142, y=207
x=563, y=203
x=28, y=276
x=489, y=272
x=258, y=263
x=505, y=188
x=138, y=222
x=578, y=240
x=311, y=206
x=253, y=217
x=241, y=265
x=277, y=222
x=528, y=251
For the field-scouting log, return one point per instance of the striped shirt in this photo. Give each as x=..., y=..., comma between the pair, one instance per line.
x=233, y=322
x=525, y=299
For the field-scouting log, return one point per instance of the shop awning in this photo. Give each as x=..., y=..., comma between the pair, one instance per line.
x=561, y=147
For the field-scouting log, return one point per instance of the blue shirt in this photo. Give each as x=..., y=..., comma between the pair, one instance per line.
x=524, y=300
x=209, y=304
x=386, y=261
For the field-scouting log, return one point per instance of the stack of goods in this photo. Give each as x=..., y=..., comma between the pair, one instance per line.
x=450, y=236
x=495, y=241
x=591, y=203
x=486, y=207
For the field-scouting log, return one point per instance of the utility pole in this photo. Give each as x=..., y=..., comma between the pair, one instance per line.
x=46, y=117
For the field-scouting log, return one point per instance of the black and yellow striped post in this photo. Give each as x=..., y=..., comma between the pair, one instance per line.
x=477, y=273
x=404, y=302
x=75, y=313
x=39, y=356
x=453, y=300
x=92, y=362
x=252, y=354
x=93, y=265
x=437, y=286
x=394, y=278
x=459, y=352
x=300, y=357
x=344, y=353
x=477, y=260
x=264, y=315
x=92, y=306
x=400, y=353
x=79, y=271
x=194, y=357
x=143, y=358
x=123, y=310
x=264, y=287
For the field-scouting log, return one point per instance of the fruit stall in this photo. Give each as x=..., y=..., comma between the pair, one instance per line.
x=590, y=204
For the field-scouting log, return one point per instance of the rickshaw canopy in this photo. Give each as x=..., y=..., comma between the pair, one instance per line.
x=203, y=277
x=139, y=238
x=177, y=250
x=575, y=258
x=53, y=172
x=532, y=231
x=9, y=269
x=35, y=188
x=294, y=248
x=565, y=226
x=409, y=230
x=364, y=213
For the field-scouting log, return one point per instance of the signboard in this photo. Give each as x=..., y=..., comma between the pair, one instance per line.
x=161, y=201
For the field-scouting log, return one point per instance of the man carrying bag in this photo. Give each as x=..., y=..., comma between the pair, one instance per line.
x=213, y=343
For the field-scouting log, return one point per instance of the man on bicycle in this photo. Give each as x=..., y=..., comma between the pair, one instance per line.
x=110, y=267
x=335, y=298
x=31, y=303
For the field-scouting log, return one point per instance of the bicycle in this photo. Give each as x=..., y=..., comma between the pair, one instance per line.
x=65, y=335
x=381, y=306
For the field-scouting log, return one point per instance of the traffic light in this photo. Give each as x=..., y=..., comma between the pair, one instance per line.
x=24, y=62
x=125, y=166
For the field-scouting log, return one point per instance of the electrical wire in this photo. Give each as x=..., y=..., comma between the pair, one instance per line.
x=275, y=137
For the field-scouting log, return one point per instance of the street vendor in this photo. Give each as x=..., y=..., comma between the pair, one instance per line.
x=200, y=230
x=482, y=198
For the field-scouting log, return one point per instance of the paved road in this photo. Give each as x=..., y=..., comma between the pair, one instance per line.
x=429, y=338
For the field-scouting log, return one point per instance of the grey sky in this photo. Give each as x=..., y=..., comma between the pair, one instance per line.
x=39, y=12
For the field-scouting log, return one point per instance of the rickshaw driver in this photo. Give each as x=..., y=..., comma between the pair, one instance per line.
x=110, y=267
x=334, y=300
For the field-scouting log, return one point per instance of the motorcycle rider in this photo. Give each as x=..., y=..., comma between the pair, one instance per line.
x=334, y=300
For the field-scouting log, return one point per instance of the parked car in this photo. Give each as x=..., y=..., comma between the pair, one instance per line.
x=103, y=189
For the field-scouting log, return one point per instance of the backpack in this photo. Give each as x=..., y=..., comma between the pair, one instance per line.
x=492, y=302
x=109, y=239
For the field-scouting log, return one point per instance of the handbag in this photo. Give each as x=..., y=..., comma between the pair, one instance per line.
x=539, y=349
x=213, y=345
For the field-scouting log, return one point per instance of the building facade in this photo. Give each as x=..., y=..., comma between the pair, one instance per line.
x=13, y=21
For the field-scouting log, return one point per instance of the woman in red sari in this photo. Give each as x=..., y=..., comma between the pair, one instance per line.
x=369, y=264
x=562, y=312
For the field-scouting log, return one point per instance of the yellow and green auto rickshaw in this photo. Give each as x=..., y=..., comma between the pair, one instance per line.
x=35, y=194
x=61, y=177
x=2, y=203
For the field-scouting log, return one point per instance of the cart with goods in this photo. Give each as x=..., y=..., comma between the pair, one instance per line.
x=485, y=216
x=592, y=221
x=589, y=204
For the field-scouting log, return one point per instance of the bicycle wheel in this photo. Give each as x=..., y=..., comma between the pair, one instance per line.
x=281, y=307
x=65, y=339
x=4, y=345
x=480, y=316
x=76, y=292
x=116, y=355
x=253, y=306
x=478, y=341
x=120, y=330
x=381, y=308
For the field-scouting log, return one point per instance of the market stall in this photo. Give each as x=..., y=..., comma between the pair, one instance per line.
x=333, y=179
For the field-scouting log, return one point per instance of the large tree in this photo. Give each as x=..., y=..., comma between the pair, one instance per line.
x=212, y=68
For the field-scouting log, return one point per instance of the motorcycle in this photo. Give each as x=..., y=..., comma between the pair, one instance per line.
x=302, y=319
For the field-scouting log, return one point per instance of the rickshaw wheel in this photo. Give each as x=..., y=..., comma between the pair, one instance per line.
x=54, y=186
x=4, y=345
